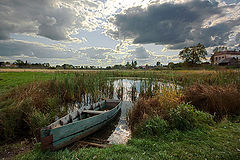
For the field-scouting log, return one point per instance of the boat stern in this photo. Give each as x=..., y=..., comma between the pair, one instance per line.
x=46, y=139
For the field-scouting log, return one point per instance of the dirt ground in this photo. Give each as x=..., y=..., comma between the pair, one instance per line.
x=9, y=151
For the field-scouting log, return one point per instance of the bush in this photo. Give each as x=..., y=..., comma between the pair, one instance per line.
x=186, y=117
x=182, y=117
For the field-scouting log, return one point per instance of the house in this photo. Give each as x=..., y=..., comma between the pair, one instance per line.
x=226, y=57
x=228, y=62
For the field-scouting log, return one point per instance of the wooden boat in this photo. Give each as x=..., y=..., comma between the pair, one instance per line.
x=79, y=124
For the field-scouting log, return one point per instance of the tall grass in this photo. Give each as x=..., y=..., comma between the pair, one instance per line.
x=217, y=100
x=40, y=103
x=165, y=111
x=26, y=109
x=159, y=105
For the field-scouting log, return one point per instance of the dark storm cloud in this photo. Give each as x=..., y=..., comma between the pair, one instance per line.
x=41, y=17
x=176, y=25
x=22, y=48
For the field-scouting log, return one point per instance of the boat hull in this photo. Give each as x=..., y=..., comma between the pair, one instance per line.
x=60, y=137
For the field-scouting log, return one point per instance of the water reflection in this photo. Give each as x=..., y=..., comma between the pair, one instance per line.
x=127, y=90
x=122, y=133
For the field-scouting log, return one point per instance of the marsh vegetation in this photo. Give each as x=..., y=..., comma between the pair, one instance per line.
x=174, y=107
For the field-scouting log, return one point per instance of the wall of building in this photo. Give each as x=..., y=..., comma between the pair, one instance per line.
x=219, y=58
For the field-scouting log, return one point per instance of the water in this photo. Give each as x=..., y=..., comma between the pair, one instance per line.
x=127, y=90
x=122, y=133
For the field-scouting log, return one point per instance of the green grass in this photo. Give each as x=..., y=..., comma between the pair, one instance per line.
x=9, y=80
x=218, y=142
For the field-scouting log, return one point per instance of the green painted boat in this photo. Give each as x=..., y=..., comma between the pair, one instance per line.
x=79, y=124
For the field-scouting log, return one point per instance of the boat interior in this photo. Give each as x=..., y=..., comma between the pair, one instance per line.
x=85, y=112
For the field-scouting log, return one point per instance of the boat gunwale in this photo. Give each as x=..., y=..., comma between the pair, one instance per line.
x=48, y=134
x=119, y=102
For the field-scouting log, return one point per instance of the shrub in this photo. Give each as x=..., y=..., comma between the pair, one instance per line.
x=186, y=117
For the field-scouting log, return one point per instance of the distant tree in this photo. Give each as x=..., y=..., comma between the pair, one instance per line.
x=171, y=65
x=67, y=66
x=19, y=63
x=128, y=66
x=219, y=49
x=46, y=65
x=158, y=64
x=193, y=54
x=211, y=58
x=2, y=64
x=135, y=64
x=108, y=67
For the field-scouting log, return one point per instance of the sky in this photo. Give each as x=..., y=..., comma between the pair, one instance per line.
x=109, y=32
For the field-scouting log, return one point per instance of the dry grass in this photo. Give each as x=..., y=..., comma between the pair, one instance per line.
x=38, y=92
x=159, y=105
x=218, y=100
x=41, y=70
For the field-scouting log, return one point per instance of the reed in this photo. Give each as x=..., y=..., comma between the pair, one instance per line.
x=159, y=105
x=40, y=103
x=50, y=99
x=217, y=100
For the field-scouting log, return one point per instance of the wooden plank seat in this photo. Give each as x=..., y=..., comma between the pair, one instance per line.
x=93, y=112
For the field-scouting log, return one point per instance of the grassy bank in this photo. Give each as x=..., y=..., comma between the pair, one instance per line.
x=218, y=142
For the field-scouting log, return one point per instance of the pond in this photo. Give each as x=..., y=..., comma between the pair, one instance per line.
x=127, y=90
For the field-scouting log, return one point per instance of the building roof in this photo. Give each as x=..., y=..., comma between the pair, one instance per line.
x=227, y=52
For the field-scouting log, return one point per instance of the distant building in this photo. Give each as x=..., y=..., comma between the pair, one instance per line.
x=226, y=57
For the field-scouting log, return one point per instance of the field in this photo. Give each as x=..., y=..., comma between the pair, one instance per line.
x=198, y=121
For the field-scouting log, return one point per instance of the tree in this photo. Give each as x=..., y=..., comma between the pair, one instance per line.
x=219, y=49
x=193, y=54
x=128, y=66
x=135, y=64
x=19, y=63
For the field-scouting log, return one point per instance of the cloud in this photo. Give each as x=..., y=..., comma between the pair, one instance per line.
x=13, y=48
x=140, y=53
x=177, y=25
x=143, y=56
x=43, y=17
x=95, y=52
